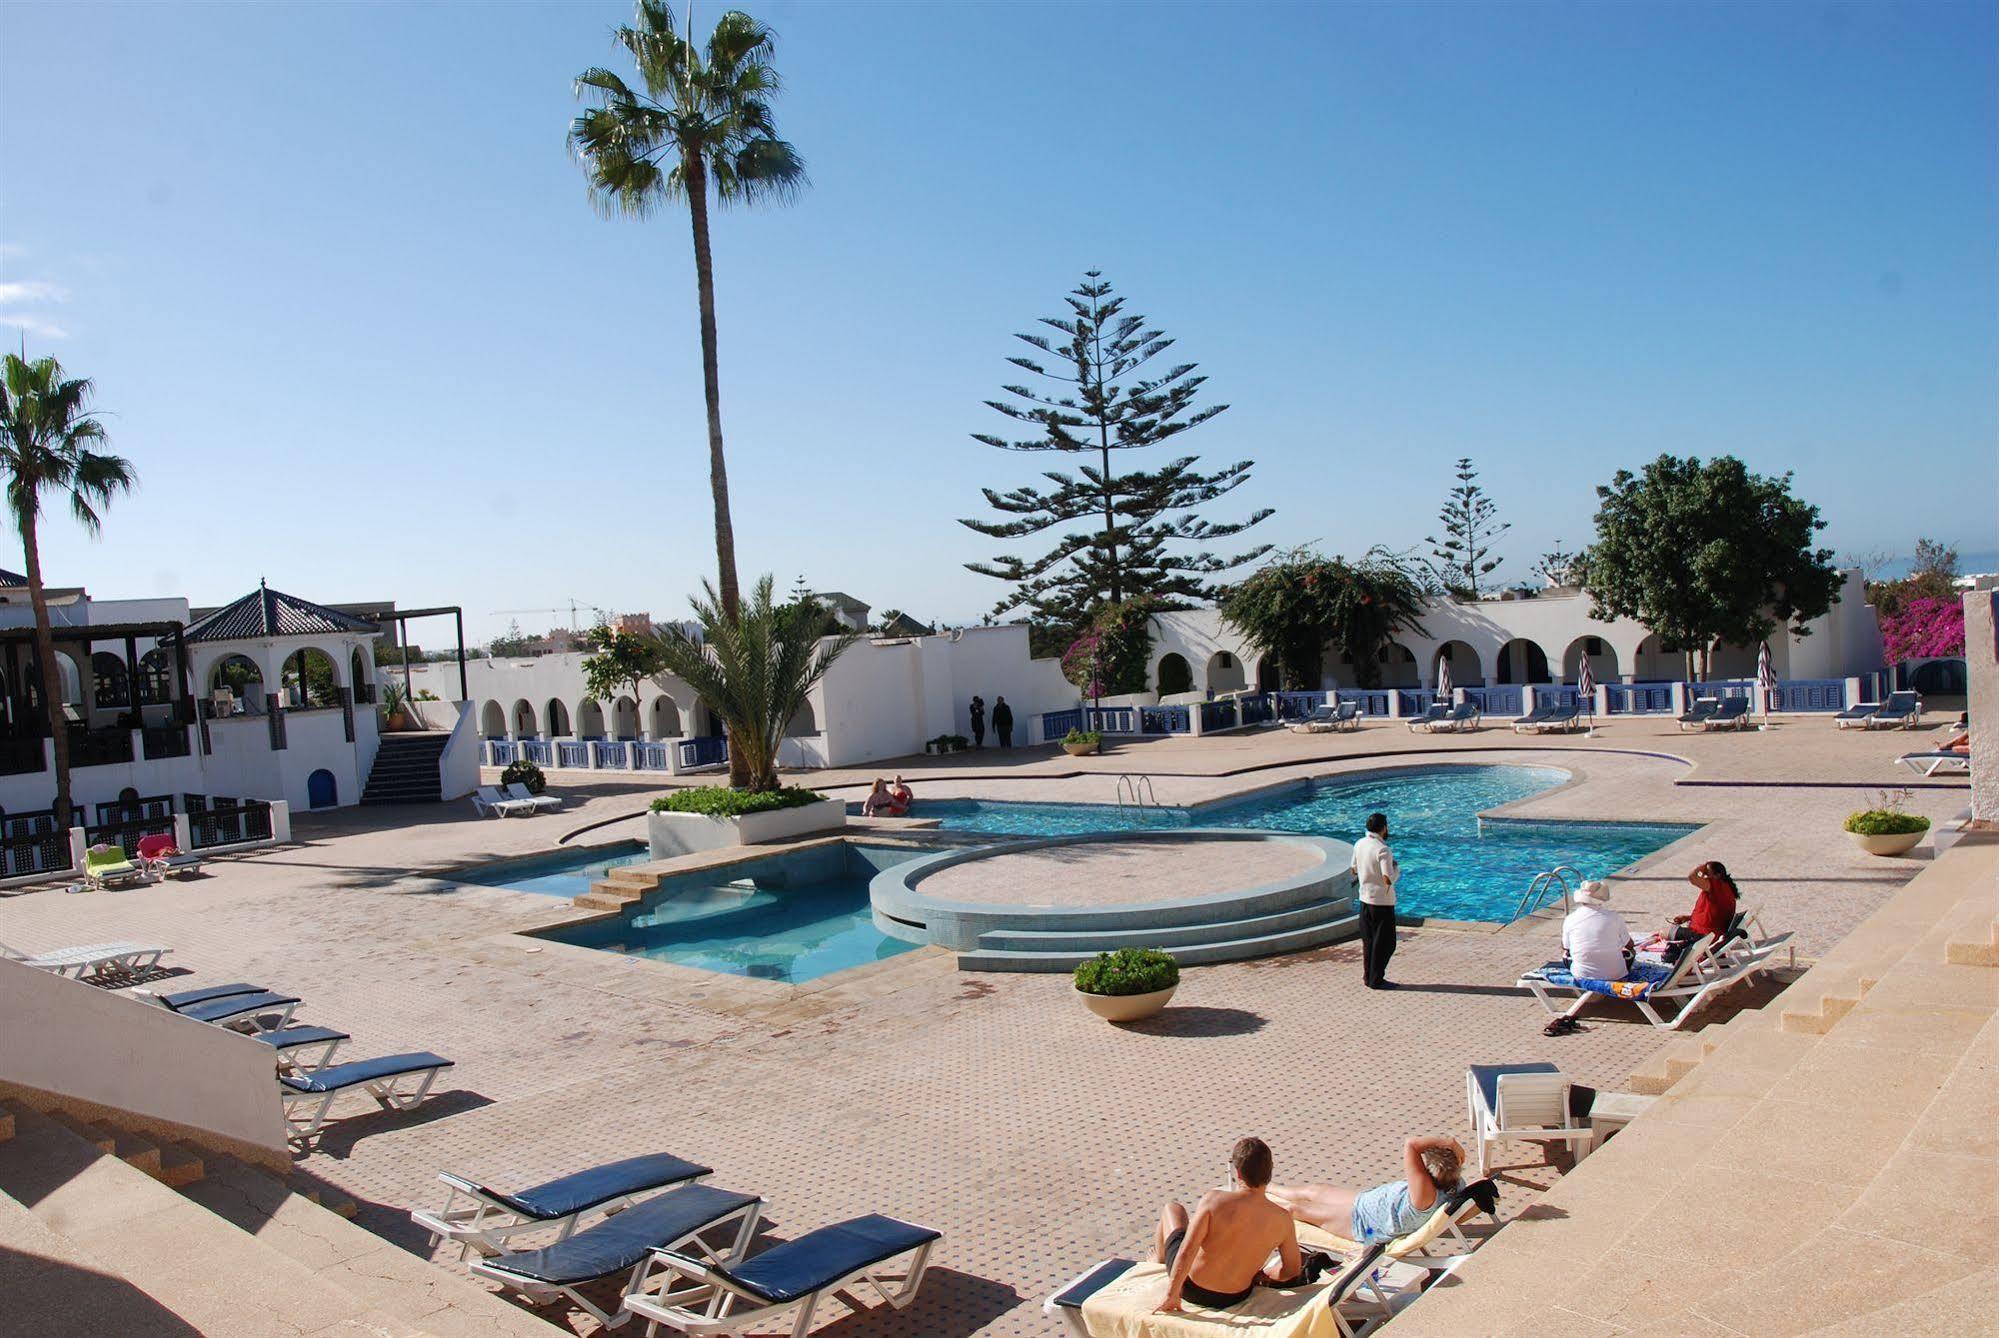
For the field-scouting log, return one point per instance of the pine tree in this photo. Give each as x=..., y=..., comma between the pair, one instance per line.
x=1138, y=522
x=1461, y=557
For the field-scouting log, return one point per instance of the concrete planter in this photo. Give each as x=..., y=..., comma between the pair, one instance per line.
x=1901, y=843
x=1127, y=1007
x=669, y=834
x=1081, y=749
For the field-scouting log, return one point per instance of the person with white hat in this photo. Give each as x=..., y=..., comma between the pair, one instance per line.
x=1597, y=946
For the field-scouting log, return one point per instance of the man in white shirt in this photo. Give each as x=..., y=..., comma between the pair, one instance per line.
x=1597, y=945
x=1376, y=872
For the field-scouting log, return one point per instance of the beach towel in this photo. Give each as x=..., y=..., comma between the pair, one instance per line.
x=1640, y=981
x=1125, y=1310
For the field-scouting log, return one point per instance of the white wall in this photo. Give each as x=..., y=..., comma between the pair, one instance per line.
x=1981, y=663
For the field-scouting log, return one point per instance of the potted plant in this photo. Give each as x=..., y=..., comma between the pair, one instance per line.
x=520, y=771
x=394, y=717
x=1082, y=742
x=947, y=743
x=1885, y=829
x=709, y=817
x=1128, y=984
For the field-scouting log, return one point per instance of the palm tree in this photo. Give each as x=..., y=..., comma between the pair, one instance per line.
x=47, y=441
x=703, y=122
x=753, y=669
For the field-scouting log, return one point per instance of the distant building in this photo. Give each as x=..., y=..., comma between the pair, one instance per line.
x=849, y=612
x=899, y=623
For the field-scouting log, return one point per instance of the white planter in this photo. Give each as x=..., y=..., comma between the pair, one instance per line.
x=1126, y=1007
x=1901, y=843
x=669, y=834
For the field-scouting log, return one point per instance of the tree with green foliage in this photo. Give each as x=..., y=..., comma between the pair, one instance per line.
x=1102, y=397
x=512, y=643
x=753, y=668
x=1114, y=654
x=619, y=660
x=1463, y=558
x=1560, y=567
x=702, y=124
x=1301, y=605
x=1705, y=552
x=50, y=442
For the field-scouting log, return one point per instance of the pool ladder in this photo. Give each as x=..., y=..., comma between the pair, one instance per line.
x=1135, y=792
x=1544, y=885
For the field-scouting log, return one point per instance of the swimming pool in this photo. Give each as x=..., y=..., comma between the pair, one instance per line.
x=1450, y=868
x=790, y=918
x=568, y=873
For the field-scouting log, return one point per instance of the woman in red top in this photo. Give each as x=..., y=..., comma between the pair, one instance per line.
x=1713, y=909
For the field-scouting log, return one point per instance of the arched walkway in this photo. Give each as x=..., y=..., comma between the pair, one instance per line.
x=1225, y=673
x=558, y=719
x=111, y=687
x=1173, y=675
x=1522, y=661
x=802, y=722
x=1602, y=660
x=310, y=679
x=524, y=727
x=1466, y=670
x=1740, y=661
x=1655, y=664
x=665, y=717
x=624, y=719
x=240, y=675
x=492, y=721
x=589, y=719
x=360, y=671
x=1398, y=666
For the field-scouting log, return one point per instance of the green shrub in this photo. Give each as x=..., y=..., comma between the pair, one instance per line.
x=1090, y=737
x=719, y=801
x=1885, y=822
x=947, y=742
x=1128, y=971
x=524, y=772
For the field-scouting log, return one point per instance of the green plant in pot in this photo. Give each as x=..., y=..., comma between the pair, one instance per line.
x=1883, y=828
x=520, y=771
x=1082, y=742
x=1128, y=984
x=395, y=713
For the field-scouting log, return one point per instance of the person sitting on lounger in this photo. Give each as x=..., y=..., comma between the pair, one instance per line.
x=1959, y=742
x=1714, y=911
x=1432, y=1169
x=1596, y=945
x=1216, y=1257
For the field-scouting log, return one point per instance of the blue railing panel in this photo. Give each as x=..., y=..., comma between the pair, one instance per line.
x=538, y=751
x=1110, y=719
x=499, y=752
x=609, y=755
x=1373, y=701
x=1165, y=720
x=704, y=752
x=1217, y=716
x=1055, y=724
x=1258, y=709
x=1564, y=695
x=1719, y=687
x=1638, y=698
x=1415, y=701
x=651, y=757
x=1809, y=694
x=1295, y=705
x=1495, y=701
x=568, y=754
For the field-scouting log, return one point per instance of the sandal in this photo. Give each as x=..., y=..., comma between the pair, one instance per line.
x=1561, y=1026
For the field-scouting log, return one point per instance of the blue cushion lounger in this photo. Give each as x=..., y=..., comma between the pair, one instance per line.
x=1535, y=718
x=1347, y=716
x=1902, y=710
x=186, y=997
x=1856, y=715
x=292, y=1043
x=1930, y=763
x=785, y=1277
x=382, y=1077
x=1699, y=713
x=1438, y=711
x=244, y=1011
x=1729, y=713
x=626, y=1243
x=479, y=1217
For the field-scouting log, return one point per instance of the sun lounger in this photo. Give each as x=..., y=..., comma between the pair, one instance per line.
x=183, y=998
x=543, y=803
x=1729, y=713
x=1318, y=720
x=1902, y=710
x=697, y=1297
x=488, y=802
x=303, y=1049
x=1520, y=1101
x=1937, y=760
x=698, y=1221
x=383, y=1078
x=1437, y=1244
x=1439, y=711
x=163, y=858
x=478, y=1217
x=1535, y=718
x=1463, y=716
x=1687, y=982
x=1121, y=1296
x=1699, y=713
x=107, y=866
x=1551, y=716
x=91, y=959
x=262, y=1010
x=1858, y=714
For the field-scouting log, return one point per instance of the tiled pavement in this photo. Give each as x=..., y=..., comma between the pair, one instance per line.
x=1037, y=1137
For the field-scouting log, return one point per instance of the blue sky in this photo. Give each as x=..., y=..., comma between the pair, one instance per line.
x=360, y=331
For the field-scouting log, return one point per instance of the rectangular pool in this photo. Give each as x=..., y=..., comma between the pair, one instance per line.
x=567, y=873
x=790, y=918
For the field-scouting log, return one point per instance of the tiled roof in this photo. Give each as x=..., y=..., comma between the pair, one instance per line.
x=11, y=578
x=265, y=612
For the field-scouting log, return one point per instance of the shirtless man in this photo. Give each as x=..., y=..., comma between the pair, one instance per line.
x=1217, y=1258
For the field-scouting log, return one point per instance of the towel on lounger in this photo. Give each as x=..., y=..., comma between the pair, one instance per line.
x=1640, y=981
x=1124, y=1309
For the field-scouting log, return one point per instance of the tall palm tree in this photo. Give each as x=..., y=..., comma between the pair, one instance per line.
x=703, y=123
x=48, y=441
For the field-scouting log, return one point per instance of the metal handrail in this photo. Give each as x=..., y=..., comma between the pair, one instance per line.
x=1138, y=791
x=1537, y=892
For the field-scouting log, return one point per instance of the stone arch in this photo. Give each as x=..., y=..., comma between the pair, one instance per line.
x=558, y=719
x=156, y=677
x=624, y=719
x=802, y=721
x=1268, y=679
x=1521, y=660
x=311, y=679
x=1731, y=661
x=524, y=724
x=1467, y=670
x=243, y=676
x=492, y=721
x=1225, y=672
x=1173, y=674
x=589, y=719
x=1653, y=663
x=664, y=716
x=1399, y=666
x=110, y=683
x=322, y=790
x=360, y=669
x=1602, y=660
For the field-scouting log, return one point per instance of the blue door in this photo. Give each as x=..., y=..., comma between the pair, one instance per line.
x=321, y=790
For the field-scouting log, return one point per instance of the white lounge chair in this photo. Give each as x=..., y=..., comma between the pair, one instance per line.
x=92, y=959
x=1937, y=760
x=1688, y=983
x=1366, y=1292
x=784, y=1278
x=1857, y=714
x=478, y=1217
x=488, y=802
x=543, y=802
x=695, y=1220
x=303, y=1049
x=1520, y=1101
x=239, y=1007
x=1437, y=1244
x=308, y=1096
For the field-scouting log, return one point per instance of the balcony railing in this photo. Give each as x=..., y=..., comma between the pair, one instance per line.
x=99, y=747
x=22, y=757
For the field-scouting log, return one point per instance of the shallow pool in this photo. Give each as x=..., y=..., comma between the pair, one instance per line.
x=566, y=874
x=791, y=918
x=1451, y=869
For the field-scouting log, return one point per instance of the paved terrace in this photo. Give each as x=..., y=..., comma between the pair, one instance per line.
x=991, y=1106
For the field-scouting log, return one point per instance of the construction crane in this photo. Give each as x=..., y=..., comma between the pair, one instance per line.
x=574, y=606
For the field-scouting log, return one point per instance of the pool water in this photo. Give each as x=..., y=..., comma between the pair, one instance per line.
x=568, y=874
x=1450, y=868
x=790, y=918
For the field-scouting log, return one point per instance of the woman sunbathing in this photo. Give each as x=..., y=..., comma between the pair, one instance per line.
x=1432, y=1169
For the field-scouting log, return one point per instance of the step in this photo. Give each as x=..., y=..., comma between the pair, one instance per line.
x=53, y=1283
x=1199, y=954
x=206, y=1274
x=179, y=1167
x=98, y=1137
x=1970, y=952
x=1170, y=936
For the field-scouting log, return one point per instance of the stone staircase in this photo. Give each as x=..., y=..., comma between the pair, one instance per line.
x=111, y=1231
x=406, y=770
x=1311, y=922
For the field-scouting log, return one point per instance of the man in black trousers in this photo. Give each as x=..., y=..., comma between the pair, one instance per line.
x=1375, y=873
